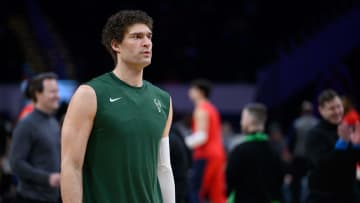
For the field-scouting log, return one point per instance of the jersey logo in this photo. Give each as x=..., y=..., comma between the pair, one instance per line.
x=114, y=99
x=157, y=103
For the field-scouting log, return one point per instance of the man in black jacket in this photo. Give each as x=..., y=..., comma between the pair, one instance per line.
x=254, y=172
x=332, y=151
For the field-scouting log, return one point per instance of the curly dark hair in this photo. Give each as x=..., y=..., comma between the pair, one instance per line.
x=117, y=25
x=326, y=96
x=203, y=85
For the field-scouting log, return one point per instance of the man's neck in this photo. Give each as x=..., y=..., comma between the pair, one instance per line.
x=254, y=129
x=200, y=101
x=43, y=109
x=133, y=76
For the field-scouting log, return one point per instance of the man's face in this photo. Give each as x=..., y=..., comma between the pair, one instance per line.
x=194, y=93
x=49, y=97
x=136, y=47
x=246, y=121
x=332, y=111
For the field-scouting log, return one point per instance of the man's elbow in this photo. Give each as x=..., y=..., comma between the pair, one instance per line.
x=68, y=164
x=15, y=164
x=69, y=172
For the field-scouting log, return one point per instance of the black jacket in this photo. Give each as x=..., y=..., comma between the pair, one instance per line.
x=255, y=172
x=332, y=173
x=180, y=162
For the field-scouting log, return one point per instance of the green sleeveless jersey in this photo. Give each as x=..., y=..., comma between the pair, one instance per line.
x=120, y=163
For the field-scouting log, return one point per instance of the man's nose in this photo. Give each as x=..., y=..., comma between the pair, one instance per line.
x=338, y=111
x=147, y=42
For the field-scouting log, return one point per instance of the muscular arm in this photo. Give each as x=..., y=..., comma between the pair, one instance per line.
x=76, y=130
x=200, y=136
x=164, y=171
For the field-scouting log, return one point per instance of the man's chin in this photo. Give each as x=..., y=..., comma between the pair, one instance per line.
x=245, y=131
x=336, y=121
x=55, y=107
x=146, y=61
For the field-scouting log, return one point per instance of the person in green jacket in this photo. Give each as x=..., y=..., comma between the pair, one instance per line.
x=254, y=172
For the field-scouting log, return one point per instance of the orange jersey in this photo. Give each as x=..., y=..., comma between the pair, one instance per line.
x=26, y=110
x=214, y=145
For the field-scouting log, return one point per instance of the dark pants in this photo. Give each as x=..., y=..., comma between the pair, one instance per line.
x=196, y=180
x=298, y=169
x=208, y=181
x=21, y=199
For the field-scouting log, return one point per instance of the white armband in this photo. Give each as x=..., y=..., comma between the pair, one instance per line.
x=164, y=171
x=196, y=139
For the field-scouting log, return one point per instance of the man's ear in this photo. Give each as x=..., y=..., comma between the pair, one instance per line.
x=37, y=94
x=320, y=109
x=115, y=45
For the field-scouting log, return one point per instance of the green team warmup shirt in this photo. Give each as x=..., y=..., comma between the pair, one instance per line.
x=120, y=164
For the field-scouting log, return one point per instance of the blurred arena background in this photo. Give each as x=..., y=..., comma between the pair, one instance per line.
x=276, y=52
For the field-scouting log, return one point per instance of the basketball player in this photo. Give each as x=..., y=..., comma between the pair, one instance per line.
x=208, y=178
x=115, y=145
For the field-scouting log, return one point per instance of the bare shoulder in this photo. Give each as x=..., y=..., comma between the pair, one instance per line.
x=83, y=100
x=84, y=94
x=200, y=113
x=85, y=91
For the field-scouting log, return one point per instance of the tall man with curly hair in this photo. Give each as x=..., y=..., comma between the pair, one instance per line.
x=115, y=145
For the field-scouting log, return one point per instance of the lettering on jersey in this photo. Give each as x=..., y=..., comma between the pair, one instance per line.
x=157, y=103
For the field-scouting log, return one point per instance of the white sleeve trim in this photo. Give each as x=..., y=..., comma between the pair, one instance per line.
x=196, y=139
x=164, y=171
